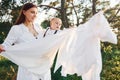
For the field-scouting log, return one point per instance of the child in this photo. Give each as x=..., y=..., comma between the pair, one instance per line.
x=55, y=25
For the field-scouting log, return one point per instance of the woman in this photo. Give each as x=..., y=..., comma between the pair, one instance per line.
x=24, y=30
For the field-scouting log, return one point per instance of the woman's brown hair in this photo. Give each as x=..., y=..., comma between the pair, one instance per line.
x=21, y=17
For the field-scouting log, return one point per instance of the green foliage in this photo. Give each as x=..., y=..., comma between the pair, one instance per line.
x=8, y=69
x=2, y=37
x=57, y=76
x=111, y=63
x=4, y=28
x=45, y=24
x=39, y=1
x=5, y=5
x=5, y=9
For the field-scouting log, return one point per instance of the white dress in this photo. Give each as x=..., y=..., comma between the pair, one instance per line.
x=79, y=50
x=20, y=34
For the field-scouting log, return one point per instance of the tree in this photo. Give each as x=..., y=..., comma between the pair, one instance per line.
x=6, y=7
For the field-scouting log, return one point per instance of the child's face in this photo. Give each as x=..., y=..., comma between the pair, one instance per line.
x=55, y=24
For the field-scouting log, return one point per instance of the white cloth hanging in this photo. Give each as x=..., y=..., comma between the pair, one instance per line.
x=83, y=54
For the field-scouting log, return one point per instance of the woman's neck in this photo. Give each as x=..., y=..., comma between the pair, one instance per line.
x=28, y=24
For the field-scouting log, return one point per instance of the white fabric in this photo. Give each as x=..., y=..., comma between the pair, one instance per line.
x=83, y=54
x=49, y=32
x=79, y=50
x=20, y=34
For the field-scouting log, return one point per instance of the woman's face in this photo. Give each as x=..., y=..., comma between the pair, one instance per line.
x=30, y=14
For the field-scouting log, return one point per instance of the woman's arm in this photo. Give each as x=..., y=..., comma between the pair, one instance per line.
x=1, y=48
x=11, y=37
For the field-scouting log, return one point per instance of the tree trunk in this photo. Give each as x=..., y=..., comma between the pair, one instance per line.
x=63, y=14
x=94, y=6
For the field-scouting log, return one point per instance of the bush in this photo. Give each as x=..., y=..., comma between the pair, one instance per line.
x=8, y=69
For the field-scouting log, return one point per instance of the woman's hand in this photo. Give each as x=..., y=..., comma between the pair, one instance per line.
x=1, y=48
